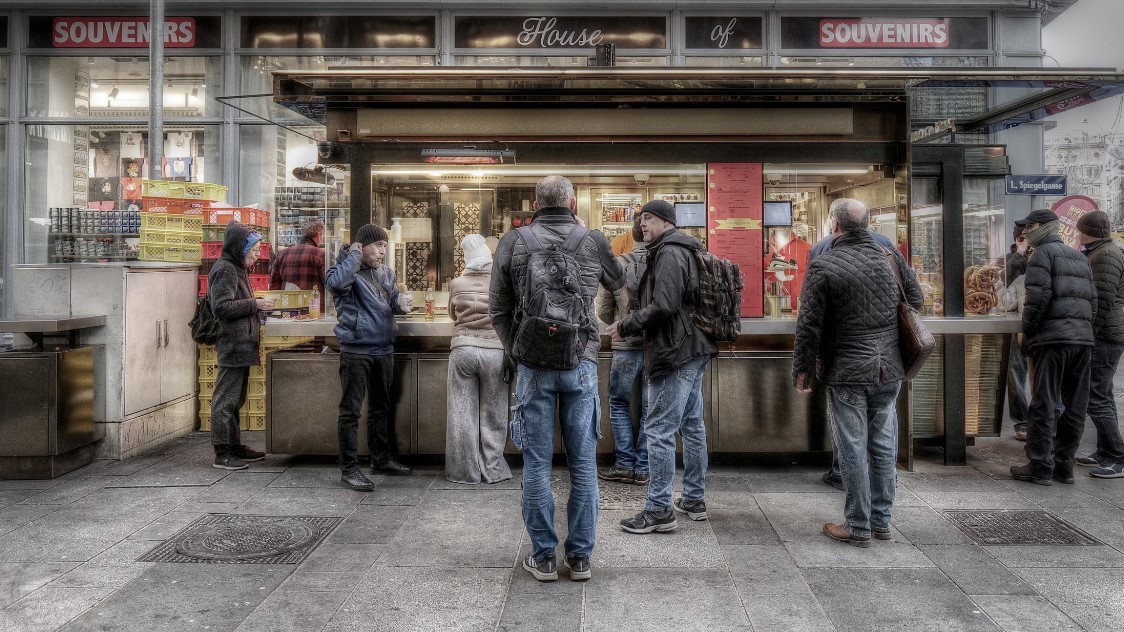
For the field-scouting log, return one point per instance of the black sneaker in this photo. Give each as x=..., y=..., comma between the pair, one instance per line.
x=641, y=479
x=833, y=479
x=579, y=568
x=695, y=509
x=1023, y=473
x=1112, y=470
x=649, y=521
x=391, y=468
x=227, y=461
x=617, y=474
x=246, y=453
x=544, y=570
x=1089, y=461
x=1062, y=477
x=355, y=480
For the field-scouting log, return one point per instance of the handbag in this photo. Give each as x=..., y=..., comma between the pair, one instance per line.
x=915, y=341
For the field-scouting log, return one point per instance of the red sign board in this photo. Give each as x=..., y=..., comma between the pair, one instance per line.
x=884, y=33
x=119, y=32
x=1069, y=210
x=733, y=203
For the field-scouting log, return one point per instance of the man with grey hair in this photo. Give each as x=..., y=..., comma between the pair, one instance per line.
x=301, y=266
x=555, y=257
x=847, y=337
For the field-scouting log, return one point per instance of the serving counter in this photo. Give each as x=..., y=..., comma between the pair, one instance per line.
x=750, y=404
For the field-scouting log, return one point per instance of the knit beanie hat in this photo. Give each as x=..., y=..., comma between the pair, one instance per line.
x=661, y=209
x=1094, y=224
x=250, y=241
x=370, y=233
x=475, y=247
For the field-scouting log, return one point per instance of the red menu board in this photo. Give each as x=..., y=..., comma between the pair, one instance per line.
x=733, y=202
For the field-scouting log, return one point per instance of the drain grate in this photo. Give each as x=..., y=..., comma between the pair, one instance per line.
x=613, y=495
x=1018, y=527
x=227, y=539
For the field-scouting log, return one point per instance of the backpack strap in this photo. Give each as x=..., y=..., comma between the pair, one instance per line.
x=529, y=239
x=575, y=239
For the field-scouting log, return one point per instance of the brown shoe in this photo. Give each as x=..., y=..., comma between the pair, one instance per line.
x=843, y=534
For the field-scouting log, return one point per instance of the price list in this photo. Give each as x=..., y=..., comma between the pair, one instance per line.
x=733, y=199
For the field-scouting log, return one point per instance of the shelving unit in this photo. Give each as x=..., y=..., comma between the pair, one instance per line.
x=295, y=204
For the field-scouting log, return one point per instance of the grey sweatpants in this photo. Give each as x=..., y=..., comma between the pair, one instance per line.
x=230, y=395
x=477, y=417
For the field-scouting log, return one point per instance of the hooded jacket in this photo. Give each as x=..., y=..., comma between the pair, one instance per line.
x=634, y=263
x=671, y=339
x=366, y=301
x=468, y=309
x=1107, y=262
x=1061, y=300
x=233, y=303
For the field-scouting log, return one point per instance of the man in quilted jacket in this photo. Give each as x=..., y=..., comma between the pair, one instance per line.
x=1058, y=314
x=847, y=337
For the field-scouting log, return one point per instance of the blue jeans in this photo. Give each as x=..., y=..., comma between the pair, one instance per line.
x=865, y=428
x=532, y=431
x=675, y=404
x=628, y=368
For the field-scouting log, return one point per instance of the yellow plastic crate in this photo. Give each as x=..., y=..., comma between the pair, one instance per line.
x=183, y=253
x=193, y=223
x=173, y=238
x=245, y=422
x=254, y=422
x=208, y=354
x=154, y=221
x=205, y=191
x=190, y=237
x=257, y=387
x=283, y=341
x=255, y=405
x=208, y=372
x=152, y=252
x=163, y=188
x=206, y=388
x=153, y=237
x=204, y=421
x=283, y=299
x=257, y=371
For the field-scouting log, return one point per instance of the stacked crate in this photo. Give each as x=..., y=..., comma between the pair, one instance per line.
x=214, y=222
x=171, y=219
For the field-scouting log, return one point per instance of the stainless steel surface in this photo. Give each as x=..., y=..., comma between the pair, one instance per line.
x=51, y=325
x=28, y=397
x=1012, y=324
x=758, y=410
x=433, y=401
x=139, y=265
x=325, y=327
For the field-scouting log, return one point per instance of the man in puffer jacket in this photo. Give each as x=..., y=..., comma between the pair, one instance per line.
x=236, y=309
x=366, y=300
x=1058, y=314
x=848, y=327
x=1107, y=262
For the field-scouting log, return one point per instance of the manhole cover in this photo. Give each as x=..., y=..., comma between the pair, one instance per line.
x=1018, y=527
x=227, y=539
x=613, y=495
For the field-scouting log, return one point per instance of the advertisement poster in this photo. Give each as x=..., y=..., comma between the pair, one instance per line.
x=1069, y=210
x=733, y=199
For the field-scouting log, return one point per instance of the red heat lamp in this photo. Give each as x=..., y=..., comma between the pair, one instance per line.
x=467, y=156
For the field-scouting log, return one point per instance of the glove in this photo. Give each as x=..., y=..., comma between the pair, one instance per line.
x=405, y=302
x=508, y=369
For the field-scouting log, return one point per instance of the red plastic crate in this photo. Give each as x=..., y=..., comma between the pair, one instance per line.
x=259, y=282
x=202, y=284
x=254, y=217
x=212, y=249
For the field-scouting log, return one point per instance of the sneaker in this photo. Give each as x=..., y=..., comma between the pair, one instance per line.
x=1113, y=470
x=1062, y=477
x=579, y=568
x=391, y=468
x=841, y=533
x=246, y=453
x=1020, y=433
x=695, y=509
x=880, y=534
x=649, y=521
x=355, y=480
x=617, y=474
x=1023, y=473
x=640, y=479
x=228, y=461
x=833, y=479
x=1089, y=461
x=544, y=570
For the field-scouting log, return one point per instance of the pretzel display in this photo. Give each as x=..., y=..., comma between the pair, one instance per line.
x=979, y=289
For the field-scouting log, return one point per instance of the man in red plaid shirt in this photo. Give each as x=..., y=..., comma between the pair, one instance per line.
x=301, y=266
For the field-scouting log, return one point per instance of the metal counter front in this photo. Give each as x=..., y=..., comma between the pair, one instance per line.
x=750, y=405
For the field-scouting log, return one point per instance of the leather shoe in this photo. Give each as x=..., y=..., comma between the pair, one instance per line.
x=358, y=482
x=391, y=468
x=842, y=534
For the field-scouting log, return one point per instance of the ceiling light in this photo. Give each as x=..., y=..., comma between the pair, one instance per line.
x=467, y=156
x=94, y=84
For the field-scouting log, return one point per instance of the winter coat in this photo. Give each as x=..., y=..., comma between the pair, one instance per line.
x=551, y=225
x=468, y=308
x=1107, y=264
x=634, y=264
x=1061, y=299
x=365, y=312
x=233, y=302
x=848, y=318
x=667, y=297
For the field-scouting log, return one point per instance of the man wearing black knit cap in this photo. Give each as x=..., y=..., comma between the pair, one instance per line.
x=1058, y=315
x=366, y=300
x=675, y=357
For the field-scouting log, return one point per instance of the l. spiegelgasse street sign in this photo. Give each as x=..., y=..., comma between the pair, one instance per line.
x=1036, y=185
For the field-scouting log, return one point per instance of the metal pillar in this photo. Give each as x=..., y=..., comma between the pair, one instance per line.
x=156, y=89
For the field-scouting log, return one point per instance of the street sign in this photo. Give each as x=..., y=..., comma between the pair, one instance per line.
x=1036, y=185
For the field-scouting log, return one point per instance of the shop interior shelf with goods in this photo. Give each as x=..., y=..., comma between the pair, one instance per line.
x=295, y=205
x=82, y=234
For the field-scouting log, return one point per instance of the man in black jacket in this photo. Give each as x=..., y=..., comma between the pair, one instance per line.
x=675, y=357
x=1107, y=263
x=1058, y=314
x=848, y=327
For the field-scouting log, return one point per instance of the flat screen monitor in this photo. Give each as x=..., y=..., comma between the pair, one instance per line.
x=690, y=214
x=777, y=213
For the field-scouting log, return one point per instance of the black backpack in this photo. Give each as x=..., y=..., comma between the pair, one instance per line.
x=204, y=325
x=552, y=311
x=718, y=304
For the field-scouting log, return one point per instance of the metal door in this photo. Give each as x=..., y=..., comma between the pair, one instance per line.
x=144, y=340
x=177, y=365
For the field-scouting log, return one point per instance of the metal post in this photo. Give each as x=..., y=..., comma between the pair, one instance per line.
x=156, y=89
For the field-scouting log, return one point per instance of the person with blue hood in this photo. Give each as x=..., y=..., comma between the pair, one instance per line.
x=366, y=300
x=236, y=309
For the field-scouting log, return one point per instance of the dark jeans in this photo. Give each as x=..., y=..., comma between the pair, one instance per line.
x=1102, y=405
x=1017, y=404
x=368, y=375
x=230, y=395
x=1061, y=373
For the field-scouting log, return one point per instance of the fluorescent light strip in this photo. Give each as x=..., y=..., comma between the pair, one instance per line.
x=546, y=171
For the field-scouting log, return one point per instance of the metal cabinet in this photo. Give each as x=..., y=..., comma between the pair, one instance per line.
x=159, y=353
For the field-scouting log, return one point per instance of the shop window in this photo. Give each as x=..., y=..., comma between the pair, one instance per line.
x=927, y=61
x=555, y=61
x=117, y=87
x=83, y=185
x=3, y=205
x=4, y=63
x=257, y=77
x=738, y=61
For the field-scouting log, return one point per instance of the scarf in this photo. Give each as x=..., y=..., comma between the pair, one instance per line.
x=1038, y=235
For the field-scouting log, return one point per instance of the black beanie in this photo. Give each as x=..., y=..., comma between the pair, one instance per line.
x=1095, y=224
x=370, y=233
x=661, y=209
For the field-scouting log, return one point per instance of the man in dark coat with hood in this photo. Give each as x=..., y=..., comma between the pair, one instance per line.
x=236, y=309
x=1058, y=314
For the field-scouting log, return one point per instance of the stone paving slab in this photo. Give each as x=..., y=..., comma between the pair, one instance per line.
x=975, y=570
x=1025, y=613
x=1091, y=597
x=664, y=599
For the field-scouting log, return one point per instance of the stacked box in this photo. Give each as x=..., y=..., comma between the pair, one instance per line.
x=213, y=228
x=288, y=304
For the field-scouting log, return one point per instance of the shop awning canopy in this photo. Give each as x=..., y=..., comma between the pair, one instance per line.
x=301, y=99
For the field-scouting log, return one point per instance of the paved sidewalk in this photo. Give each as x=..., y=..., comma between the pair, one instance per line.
x=420, y=553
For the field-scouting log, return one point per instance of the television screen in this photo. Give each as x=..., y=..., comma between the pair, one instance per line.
x=689, y=214
x=777, y=214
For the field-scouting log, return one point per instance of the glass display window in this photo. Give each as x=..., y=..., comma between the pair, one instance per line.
x=5, y=62
x=557, y=61
x=926, y=242
x=3, y=201
x=83, y=185
x=986, y=246
x=257, y=70
x=117, y=87
x=725, y=61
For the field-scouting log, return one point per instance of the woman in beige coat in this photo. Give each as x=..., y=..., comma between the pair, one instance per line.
x=478, y=397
